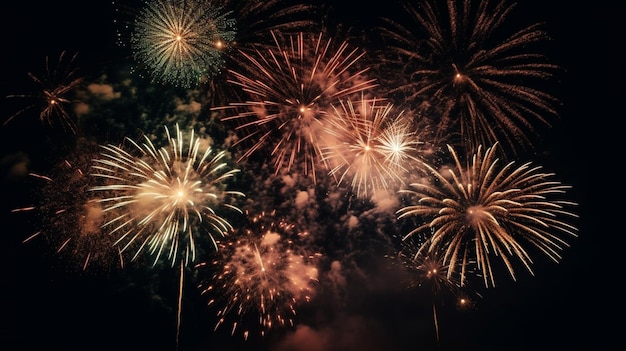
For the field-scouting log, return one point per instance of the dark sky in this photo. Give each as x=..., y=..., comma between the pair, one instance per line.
x=568, y=305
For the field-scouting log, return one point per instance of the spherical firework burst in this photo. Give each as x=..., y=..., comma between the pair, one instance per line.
x=164, y=200
x=180, y=41
x=372, y=146
x=290, y=88
x=262, y=276
x=482, y=84
x=488, y=209
x=53, y=94
x=69, y=219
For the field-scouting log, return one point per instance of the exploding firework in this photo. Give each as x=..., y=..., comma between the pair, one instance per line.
x=290, y=88
x=53, y=95
x=262, y=276
x=487, y=209
x=481, y=83
x=180, y=41
x=70, y=220
x=373, y=147
x=165, y=199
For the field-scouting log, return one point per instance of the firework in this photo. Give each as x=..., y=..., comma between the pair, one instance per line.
x=54, y=89
x=429, y=268
x=180, y=41
x=290, y=88
x=482, y=83
x=487, y=209
x=69, y=219
x=262, y=273
x=257, y=18
x=164, y=199
x=374, y=147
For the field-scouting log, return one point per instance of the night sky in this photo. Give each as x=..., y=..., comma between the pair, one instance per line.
x=569, y=305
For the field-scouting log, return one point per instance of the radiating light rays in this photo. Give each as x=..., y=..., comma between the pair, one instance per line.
x=290, y=88
x=166, y=200
x=372, y=146
x=261, y=276
x=180, y=41
x=489, y=209
x=480, y=80
x=53, y=94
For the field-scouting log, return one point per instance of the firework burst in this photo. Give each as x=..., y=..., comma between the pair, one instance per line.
x=180, y=41
x=54, y=89
x=487, y=209
x=290, y=88
x=263, y=274
x=428, y=268
x=373, y=146
x=481, y=83
x=70, y=220
x=162, y=199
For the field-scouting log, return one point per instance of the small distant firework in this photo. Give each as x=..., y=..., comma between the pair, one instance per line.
x=372, y=147
x=290, y=89
x=261, y=276
x=488, y=209
x=180, y=41
x=482, y=83
x=163, y=200
x=53, y=95
x=69, y=220
x=428, y=268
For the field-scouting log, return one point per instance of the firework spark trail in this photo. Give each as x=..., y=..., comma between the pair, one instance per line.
x=54, y=90
x=373, y=147
x=487, y=209
x=482, y=88
x=291, y=87
x=265, y=272
x=180, y=41
x=163, y=198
